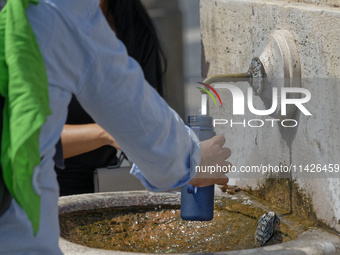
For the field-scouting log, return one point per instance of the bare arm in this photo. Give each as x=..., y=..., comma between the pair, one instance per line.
x=79, y=139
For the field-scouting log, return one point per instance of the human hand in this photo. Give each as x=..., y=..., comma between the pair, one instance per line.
x=212, y=154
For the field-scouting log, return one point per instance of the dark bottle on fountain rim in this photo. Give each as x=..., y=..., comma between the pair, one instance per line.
x=197, y=204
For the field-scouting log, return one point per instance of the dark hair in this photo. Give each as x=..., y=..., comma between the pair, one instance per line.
x=135, y=29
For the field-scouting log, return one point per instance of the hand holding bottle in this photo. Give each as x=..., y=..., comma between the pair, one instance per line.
x=212, y=153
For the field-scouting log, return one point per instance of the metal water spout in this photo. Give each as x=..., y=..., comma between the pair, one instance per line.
x=254, y=77
x=277, y=66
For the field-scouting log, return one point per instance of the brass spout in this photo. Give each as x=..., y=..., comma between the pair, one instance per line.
x=254, y=77
x=241, y=77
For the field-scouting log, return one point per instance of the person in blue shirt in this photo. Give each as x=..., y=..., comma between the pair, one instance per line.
x=83, y=57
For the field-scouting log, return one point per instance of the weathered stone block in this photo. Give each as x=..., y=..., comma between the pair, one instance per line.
x=235, y=31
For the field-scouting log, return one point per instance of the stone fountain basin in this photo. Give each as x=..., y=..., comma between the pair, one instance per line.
x=309, y=239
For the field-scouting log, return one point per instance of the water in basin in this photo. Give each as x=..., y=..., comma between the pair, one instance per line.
x=160, y=230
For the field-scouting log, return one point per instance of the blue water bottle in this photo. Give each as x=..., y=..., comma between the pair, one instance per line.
x=197, y=204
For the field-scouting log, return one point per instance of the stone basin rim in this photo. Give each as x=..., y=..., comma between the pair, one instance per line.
x=314, y=241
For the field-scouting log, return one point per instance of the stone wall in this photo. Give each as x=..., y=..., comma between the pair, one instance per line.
x=333, y=3
x=233, y=32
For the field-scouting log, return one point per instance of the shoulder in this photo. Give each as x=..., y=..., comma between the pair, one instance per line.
x=75, y=13
x=63, y=29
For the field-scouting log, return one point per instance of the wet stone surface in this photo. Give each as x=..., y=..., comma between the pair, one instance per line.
x=161, y=230
x=158, y=231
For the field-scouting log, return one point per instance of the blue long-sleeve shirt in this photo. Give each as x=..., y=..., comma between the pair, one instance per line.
x=83, y=56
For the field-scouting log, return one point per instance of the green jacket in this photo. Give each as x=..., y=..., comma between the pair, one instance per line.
x=24, y=85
